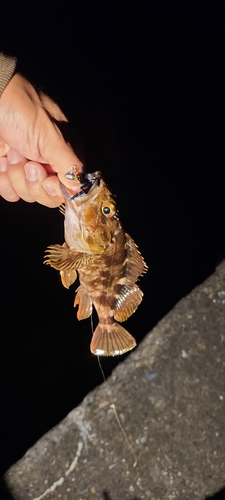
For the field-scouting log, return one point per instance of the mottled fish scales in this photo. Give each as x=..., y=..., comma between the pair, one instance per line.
x=106, y=260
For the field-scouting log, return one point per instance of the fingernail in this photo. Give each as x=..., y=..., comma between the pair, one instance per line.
x=3, y=164
x=50, y=189
x=14, y=157
x=31, y=172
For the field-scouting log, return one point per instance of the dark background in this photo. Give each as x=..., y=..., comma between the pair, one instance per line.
x=144, y=85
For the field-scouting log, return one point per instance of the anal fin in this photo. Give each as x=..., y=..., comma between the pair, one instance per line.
x=111, y=340
x=84, y=304
x=127, y=302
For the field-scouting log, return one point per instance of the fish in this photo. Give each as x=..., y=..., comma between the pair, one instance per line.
x=106, y=260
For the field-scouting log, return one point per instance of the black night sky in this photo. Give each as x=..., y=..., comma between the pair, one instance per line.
x=143, y=86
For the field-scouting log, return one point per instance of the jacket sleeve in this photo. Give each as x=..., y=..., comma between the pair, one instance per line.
x=7, y=68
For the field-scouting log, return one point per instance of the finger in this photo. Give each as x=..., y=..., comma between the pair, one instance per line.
x=52, y=107
x=51, y=185
x=43, y=188
x=6, y=190
x=16, y=175
x=60, y=155
x=4, y=148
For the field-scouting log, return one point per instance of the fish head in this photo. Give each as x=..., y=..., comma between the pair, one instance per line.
x=91, y=220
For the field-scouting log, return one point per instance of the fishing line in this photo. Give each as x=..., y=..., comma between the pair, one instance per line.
x=113, y=406
x=98, y=358
x=101, y=369
x=92, y=326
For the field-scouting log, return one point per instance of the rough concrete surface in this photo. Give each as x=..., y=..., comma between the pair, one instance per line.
x=169, y=395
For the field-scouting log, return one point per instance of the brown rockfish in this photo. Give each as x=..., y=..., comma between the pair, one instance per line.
x=106, y=259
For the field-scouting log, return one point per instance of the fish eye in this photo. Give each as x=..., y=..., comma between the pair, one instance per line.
x=108, y=209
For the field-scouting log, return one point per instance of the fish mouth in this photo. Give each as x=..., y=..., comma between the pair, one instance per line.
x=88, y=183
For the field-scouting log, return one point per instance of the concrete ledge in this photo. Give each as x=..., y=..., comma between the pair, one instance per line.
x=169, y=395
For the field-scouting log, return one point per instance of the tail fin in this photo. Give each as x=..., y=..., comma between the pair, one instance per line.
x=111, y=340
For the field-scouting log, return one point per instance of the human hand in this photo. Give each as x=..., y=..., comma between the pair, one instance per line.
x=32, y=148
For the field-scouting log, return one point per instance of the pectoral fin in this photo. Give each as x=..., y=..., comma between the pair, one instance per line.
x=62, y=208
x=63, y=258
x=111, y=340
x=127, y=302
x=84, y=304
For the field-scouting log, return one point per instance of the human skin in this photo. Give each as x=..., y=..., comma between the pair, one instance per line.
x=33, y=153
